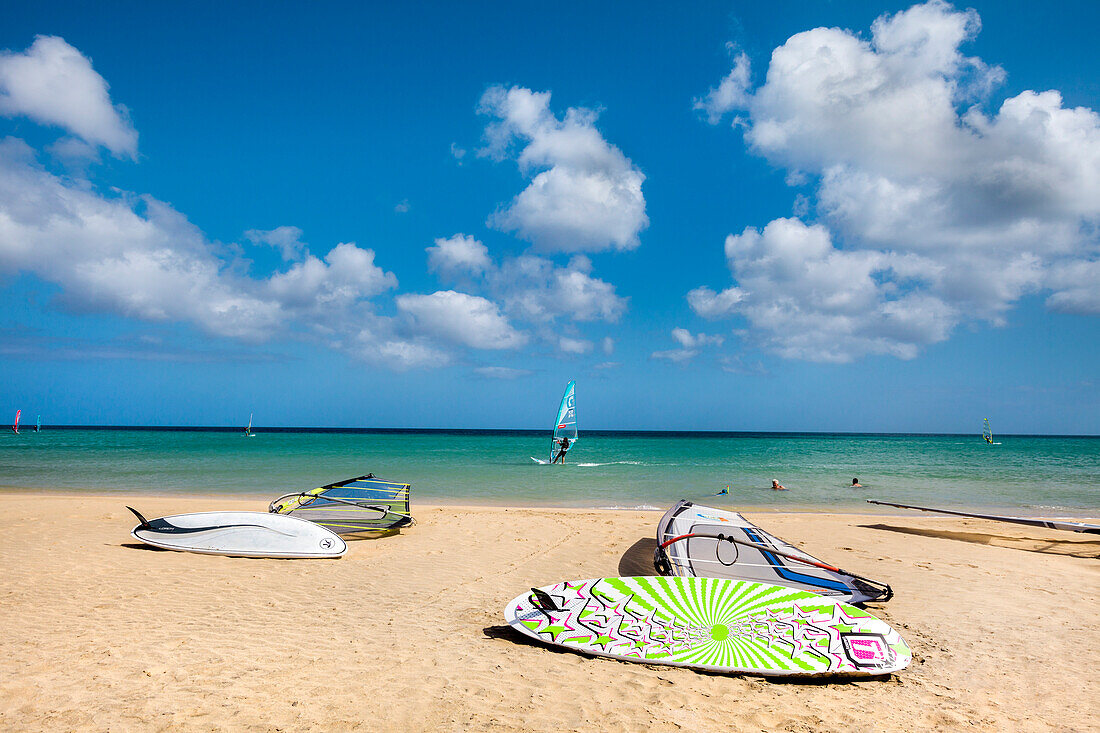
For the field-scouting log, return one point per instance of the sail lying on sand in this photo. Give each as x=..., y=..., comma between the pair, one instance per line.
x=1029, y=521
x=694, y=540
x=353, y=505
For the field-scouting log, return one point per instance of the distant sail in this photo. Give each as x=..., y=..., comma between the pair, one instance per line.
x=566, y=424
x=987, y=432
x=38, y=424
x=248, y=430
x=15, y=426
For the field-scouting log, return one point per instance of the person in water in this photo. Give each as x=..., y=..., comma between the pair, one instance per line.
x=562, y=449
x=776, y=486
x=856, y=484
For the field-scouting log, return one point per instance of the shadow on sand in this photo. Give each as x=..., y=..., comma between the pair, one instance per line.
x=1069, y=547
x=638, y=559
x=142, y=546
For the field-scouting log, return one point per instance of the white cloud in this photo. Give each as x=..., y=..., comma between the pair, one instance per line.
x=373, y=340
x=689, y=341
x=531, y=288
x=134, y=256
x=690, y=344
x=137, y=257
x=710, y=304
x=607, y=345
x=730, y=94
x=586, y=197
x=347, y=274
x=1075, y=286
x=286, y=239
x=499, y=372
x=574, y=346
x=944, y=215
x=54, y=84
x=806, y=299
x=402, y=207
x=459, y=255
x=535, y=289
x=461, y=318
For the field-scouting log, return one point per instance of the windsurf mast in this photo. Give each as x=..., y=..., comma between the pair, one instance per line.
x=565, y=426
x=1048, y=523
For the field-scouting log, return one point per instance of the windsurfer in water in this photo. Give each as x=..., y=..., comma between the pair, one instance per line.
x=776, y=486
x=563, y=448
x=856, y=484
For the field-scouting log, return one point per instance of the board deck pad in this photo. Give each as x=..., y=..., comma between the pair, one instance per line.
x=714, y=624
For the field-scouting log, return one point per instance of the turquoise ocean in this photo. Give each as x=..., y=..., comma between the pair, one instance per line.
x=1037, y=475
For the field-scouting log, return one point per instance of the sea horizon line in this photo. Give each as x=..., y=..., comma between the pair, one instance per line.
x=610, y=432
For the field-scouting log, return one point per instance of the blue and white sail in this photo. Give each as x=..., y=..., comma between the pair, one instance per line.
x=566, y=424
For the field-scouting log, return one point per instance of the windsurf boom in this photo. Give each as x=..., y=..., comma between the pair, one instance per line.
x=354, y=505
x=700, y=541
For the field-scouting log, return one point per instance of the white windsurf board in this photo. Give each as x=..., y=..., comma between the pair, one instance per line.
x=240, y=534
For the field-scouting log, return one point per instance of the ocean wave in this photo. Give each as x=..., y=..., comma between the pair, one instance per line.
x=637, y=507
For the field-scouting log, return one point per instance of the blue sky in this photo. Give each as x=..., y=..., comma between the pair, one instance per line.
x=715, y=216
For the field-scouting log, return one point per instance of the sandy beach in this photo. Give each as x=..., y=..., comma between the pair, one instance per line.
x=406, y=632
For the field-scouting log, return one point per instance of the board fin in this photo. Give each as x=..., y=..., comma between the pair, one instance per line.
x=544, y=602
x=144, y=522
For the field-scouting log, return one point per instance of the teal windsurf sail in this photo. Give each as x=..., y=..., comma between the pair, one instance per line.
x=353, y=505
x=987, y=432
x=565, y=427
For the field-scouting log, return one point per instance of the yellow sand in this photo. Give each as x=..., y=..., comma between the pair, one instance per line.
x=406, y=632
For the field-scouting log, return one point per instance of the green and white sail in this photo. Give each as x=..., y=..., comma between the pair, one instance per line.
x=566, y=424
x=987, y=432
x=353, y=505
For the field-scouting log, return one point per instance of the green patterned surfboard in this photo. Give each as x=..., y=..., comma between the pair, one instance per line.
x=716, y=624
